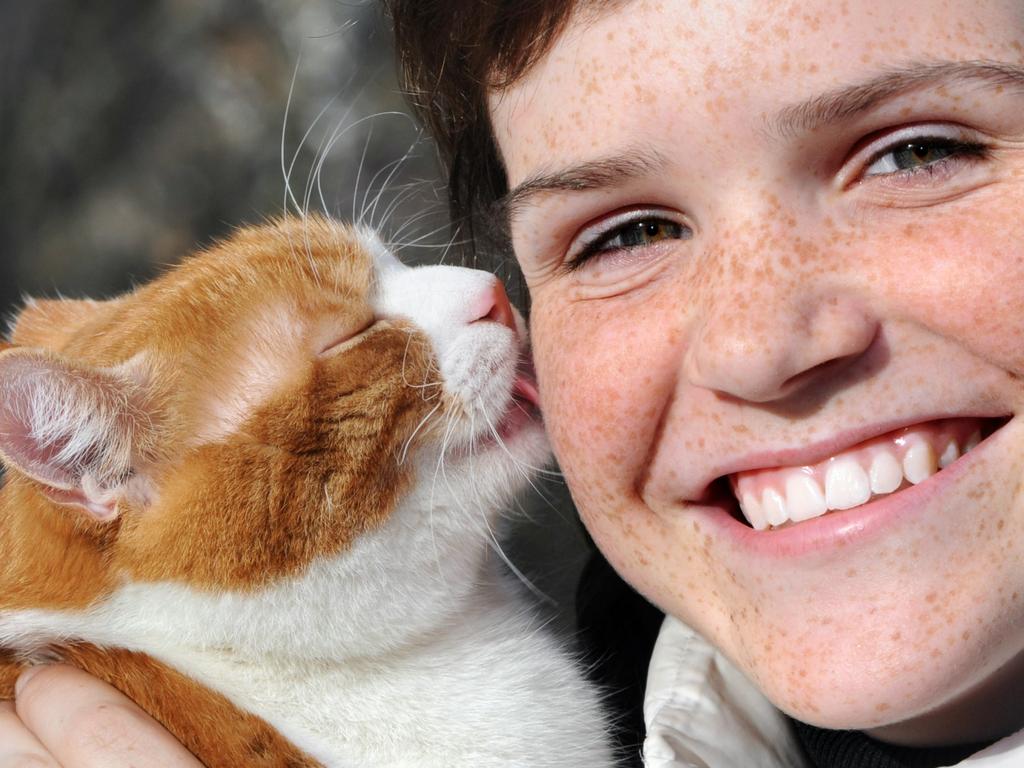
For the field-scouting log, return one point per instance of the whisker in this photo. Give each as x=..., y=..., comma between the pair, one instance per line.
x=408, y=442
x=391, y=174
x=487, y=529
x=286, y=172
x=522, y=467
x=403, y=194
x=359, y=172
x=398, y=244
x=421, y=237
x=427, y=383
x=522, y=577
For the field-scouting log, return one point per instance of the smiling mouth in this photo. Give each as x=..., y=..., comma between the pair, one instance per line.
x=768, y=499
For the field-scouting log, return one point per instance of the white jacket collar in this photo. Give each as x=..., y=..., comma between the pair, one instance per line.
x=701, y=712
x=1008, y=753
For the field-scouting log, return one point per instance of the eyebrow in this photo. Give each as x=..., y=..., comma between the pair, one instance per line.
x=804, y=117
x=592, y=174
x=849, y=101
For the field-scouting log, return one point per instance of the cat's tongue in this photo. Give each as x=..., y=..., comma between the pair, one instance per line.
x=525, y=386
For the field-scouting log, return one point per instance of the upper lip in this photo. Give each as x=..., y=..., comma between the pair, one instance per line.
x=812, y=453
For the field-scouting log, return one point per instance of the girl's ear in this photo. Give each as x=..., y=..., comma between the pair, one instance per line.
x=74, y=429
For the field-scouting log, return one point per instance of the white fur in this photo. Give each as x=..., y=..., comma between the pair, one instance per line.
x=408, y=649
x=489, y=689
x=478, y=360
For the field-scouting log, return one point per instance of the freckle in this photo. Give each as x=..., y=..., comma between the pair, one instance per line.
x=931, y=597
x=881, y=707
x=895, y=636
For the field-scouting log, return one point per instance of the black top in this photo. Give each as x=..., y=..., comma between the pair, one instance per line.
x=854, y=749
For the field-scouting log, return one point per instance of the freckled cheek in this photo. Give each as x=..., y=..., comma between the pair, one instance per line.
x=600, y=399
x=603, y=396
x=968, y=280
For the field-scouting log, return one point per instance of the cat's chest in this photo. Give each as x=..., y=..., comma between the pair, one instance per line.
x=488, y=689
x=435, y=708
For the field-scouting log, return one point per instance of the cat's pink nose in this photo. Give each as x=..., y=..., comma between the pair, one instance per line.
x=496, y=307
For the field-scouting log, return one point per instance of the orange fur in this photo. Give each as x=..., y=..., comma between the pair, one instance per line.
x=214, y=730
x=53, y=557
x=9, y=671
x=247, y=506
x=50, y=323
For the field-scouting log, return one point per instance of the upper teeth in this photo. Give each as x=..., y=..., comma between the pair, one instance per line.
x=770, y=498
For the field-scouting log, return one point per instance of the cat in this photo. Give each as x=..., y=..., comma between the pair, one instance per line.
x=257, y=494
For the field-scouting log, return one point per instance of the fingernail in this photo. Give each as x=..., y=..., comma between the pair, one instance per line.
x=27, y=675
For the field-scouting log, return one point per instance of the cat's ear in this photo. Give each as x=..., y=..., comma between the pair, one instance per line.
x=75, y=430
x=49, y=323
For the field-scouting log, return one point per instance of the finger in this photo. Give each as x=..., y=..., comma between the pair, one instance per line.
x=85, y=723
x=18, y=747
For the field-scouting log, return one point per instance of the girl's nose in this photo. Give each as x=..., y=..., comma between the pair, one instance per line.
x=763, y=354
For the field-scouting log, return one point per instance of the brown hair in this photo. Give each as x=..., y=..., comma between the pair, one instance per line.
x=451, y=53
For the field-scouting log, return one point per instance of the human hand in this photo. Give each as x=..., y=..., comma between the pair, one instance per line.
x=64, y=717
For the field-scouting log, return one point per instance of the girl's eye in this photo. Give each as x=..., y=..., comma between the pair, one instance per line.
x=922, y=154
x=639, y=232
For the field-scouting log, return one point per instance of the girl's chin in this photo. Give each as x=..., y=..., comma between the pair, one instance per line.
x=911, y=691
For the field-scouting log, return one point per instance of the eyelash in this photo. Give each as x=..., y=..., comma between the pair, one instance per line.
x=596, y=246
x=958, y=151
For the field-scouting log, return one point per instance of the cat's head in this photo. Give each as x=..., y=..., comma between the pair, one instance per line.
x=289, y=400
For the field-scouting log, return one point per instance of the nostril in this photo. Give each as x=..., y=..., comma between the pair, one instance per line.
x=497, y=308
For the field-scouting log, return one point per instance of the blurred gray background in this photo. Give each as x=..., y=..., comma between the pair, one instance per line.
x=132, y=132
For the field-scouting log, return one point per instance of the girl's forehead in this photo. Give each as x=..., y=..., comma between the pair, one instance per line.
x=647, y=68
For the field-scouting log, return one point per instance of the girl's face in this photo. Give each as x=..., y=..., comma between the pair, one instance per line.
x=776, y=252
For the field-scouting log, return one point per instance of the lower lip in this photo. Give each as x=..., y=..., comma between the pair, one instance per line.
x=846, y=528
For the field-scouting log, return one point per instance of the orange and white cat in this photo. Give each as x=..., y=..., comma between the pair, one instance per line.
x=256, y=496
